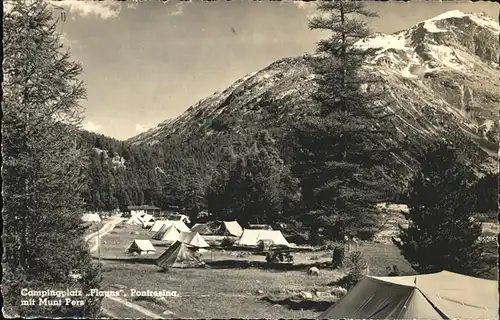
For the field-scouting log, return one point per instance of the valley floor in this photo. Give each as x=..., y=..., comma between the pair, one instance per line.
x=234, y=284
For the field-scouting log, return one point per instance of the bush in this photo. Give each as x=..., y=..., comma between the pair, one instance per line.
x=264, y=245
x=356, y=267
x=330, y=245
x=393, y=270
x=338, y=257
x=227, y=242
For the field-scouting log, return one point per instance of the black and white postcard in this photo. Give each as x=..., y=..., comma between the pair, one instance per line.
x=250, y=159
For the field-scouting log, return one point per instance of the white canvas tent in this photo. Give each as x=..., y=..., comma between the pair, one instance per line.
x=167, y=233
x=208, y=228
x=442, y=295
x=91, y=217
x=179, y=225
x=147, y=218
x=146, y=225
x=157, y=225
x=179, y=255
x=141, y=247
x=193, y=239
x=230, y=228
x=179, y=217
x=251, y=237
x=134, y=220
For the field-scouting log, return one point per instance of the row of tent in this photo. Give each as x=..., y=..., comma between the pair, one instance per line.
x=179, y=225
x=222, y=228
x=171, y=234
x=145, y=220
x=246, y=237
x=442, y=295
x=178, y=255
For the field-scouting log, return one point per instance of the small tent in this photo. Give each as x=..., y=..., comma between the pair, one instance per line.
x=179, y=225
x=147, y=218
x=179, y=217
x=442, y=295
x=157, y=225
x=179, y=255
x=134, y=220
x=91, y=217
x=251, y=237
x=193, y=239
x=141, y=247
x=146, y=225
x=167, y=233
x=230, y=228
x=208, y=228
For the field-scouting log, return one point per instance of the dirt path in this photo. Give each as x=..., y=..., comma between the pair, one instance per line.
x=92, y=238
x=106, y=228
x=109, y=313
x=136, y=307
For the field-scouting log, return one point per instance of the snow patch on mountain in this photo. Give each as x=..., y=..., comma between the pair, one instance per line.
x=446, y=56
x=480, y=19
x=384, y=42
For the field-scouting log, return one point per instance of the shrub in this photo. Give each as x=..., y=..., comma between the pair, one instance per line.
x=338, y=257
x=393, y=270
x=227, y=242
x=356, y=267
x=330, y=245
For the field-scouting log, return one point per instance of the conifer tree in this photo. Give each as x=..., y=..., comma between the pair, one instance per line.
x=257, y=188
x=42, y=167
x=343, y=149
x=487, y=190
x=442, y=233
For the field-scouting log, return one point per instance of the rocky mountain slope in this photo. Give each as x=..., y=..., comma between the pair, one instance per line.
x=442, y=75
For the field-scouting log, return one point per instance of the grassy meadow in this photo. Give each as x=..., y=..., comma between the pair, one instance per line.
x=233, y=285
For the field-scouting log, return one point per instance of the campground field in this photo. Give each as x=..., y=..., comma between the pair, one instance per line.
x=235, y=284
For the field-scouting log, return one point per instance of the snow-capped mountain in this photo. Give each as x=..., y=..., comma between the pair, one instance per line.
x=443, y=75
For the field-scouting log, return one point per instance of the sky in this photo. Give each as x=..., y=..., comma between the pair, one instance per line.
x=147, y=61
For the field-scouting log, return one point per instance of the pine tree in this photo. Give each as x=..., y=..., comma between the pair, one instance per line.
x=442, y=233
x=258, y=186
x=42, y=167
x=342, y=152
x=487, y=192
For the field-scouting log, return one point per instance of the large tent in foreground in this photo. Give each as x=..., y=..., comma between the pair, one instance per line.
x=251, y=237
x=442, y=295
x=179, y=255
